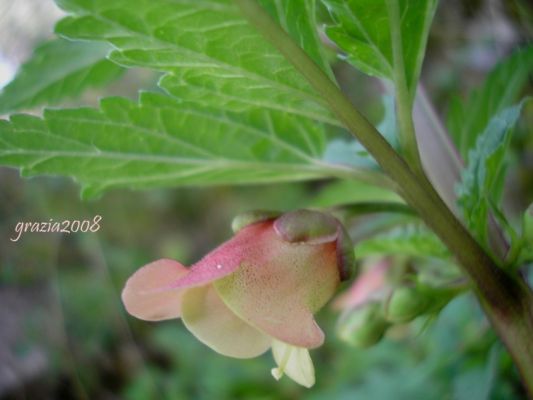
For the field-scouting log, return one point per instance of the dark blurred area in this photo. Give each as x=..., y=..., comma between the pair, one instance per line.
x=65, y=335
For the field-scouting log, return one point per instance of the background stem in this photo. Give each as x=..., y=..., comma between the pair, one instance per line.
x=506, y=299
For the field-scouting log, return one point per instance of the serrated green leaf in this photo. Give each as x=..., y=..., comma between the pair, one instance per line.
x=363, y=32
x=468, y=119
x=210, y=54
x=58, y=70
x=161, y=142
x=482, y=182
x=409, y=242
x=239, y=112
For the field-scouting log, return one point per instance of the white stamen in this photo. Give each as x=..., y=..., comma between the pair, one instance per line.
x=277, y=373
x=219, y=266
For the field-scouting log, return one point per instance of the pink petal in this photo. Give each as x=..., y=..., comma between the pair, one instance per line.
x=214, y=324
x=280, y=285
x=154, y=292
x=222, y=261
x=369, y=284
x=142, y=296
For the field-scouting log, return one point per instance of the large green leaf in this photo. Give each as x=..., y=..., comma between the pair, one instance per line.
x=161, y=142
x=482, y=182
x=212, y=56
x=58, y=70
x=468, y=119
x=237, y=113
x=363, y=33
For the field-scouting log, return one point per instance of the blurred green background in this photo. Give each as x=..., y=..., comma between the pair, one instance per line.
x=65, y=335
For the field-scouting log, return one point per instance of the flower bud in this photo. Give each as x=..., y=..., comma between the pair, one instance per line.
x=362, y=326
x=406, y=303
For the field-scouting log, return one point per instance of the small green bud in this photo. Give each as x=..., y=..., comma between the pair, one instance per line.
x=362, y=326
x=405, y=304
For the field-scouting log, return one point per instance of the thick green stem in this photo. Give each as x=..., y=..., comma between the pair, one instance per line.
x=506, y=298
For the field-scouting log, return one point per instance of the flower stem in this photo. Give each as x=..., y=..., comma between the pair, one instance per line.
x=506, y=298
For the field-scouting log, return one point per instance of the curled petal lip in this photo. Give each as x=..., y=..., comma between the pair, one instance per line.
x=306, y=226
x=312, y=227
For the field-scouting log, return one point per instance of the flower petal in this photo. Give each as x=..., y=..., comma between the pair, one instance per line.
x=369, y=285
x=144, y=296
x=222, y=261
x=214, y=324
x=280, y=285
x=293, y=361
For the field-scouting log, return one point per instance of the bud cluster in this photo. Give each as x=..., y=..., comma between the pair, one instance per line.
x=382, y=303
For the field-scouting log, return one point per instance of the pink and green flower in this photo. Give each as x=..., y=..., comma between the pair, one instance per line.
x=255, y=292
